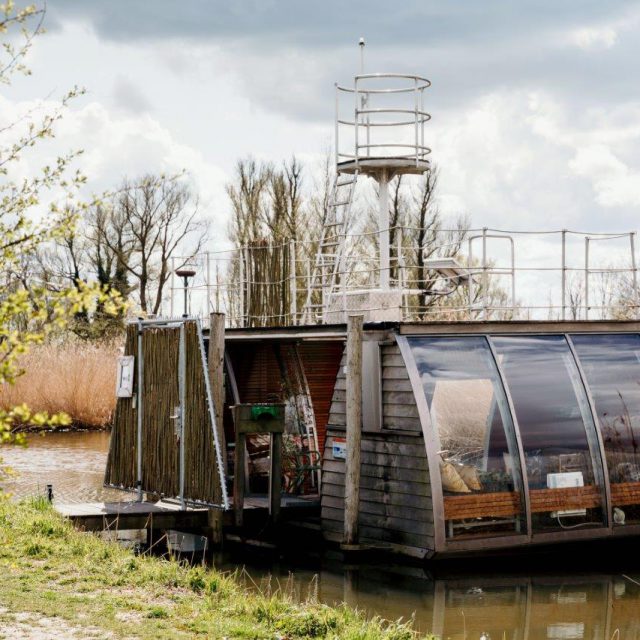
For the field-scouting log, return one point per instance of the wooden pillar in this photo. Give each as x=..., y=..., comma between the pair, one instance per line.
x=354, y=430
x=215, y=365
x=238, y=477
x=275, y=481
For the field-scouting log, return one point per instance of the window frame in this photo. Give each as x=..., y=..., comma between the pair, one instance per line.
x=442, y=544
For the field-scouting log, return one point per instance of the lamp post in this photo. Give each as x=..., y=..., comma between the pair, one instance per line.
x=185, y=273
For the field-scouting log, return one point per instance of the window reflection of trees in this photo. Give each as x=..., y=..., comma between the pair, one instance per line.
x=474, y=434
x=611, y=364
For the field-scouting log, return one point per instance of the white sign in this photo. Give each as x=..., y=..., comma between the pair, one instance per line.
x=124, y=383
x=339, y=448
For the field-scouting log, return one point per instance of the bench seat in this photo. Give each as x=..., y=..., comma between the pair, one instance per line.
x=505, y=504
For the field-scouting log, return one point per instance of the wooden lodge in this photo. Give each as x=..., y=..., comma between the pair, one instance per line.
x=430, y=439
x=468, y=437
x=474, y=435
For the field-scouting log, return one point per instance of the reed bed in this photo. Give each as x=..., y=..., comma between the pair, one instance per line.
x=74, y=377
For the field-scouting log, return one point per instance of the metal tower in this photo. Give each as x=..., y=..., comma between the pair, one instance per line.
x=381, y=137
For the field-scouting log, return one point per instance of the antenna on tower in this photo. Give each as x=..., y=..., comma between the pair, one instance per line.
x=361, y=43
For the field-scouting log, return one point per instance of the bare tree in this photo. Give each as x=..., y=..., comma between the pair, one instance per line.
x=269, y=213
x=575, y=292
x=126, y=243
x=154, y=217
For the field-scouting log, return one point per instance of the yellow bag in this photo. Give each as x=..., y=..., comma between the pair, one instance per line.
x=451, y=480
x=469, y=475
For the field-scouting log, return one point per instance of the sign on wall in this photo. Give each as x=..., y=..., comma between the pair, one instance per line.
x=124, y=382
x=339, y=448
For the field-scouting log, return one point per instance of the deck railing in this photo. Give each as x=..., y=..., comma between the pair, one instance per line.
x=502, y=275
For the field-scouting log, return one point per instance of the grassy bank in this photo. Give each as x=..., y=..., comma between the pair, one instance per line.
x=70, y=584
x=74, y=377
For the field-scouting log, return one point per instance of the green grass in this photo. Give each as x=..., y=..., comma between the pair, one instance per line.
x=50, y=569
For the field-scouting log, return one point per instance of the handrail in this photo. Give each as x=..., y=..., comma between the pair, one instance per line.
x=395, y=144
x=368, y=120
x=377, y=76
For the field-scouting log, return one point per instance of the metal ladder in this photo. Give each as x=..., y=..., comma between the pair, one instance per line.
x=331, y=247
x=298, y=388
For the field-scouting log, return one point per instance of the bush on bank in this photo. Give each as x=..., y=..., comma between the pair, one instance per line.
x=55, y=571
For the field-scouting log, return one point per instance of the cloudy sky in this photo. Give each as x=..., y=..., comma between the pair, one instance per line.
x=535, y=105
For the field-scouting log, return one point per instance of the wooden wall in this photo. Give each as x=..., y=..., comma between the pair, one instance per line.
x=257, y=371
x=320, y=361
x=395, y=494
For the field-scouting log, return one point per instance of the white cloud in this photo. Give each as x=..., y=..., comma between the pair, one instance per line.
x=117, y=144
x=614, y=183
x=594, y=38
x=522, y=160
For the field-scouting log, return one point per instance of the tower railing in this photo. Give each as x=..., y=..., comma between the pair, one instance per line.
x=392, y=131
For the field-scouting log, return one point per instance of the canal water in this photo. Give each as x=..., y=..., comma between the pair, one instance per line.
x=551, y=603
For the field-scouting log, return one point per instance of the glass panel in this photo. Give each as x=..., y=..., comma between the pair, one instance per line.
x=611, y=365
x=479, y=462
x=557, y=431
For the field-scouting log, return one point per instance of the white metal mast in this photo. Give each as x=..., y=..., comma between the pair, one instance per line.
x=382, y=140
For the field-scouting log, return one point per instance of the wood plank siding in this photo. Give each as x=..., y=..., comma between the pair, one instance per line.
x=320, y=361
x=257, y=372
x=395, y=493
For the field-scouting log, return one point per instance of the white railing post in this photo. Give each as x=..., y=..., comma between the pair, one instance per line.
x=564, y=274
x=337, y=127
x=293, y=303
x=485, y=274
x=586, y=278
x=172, y=285
x=139, y=409
x=355, y=121
x=634, y=272
x=417, y=102
x=209, y=296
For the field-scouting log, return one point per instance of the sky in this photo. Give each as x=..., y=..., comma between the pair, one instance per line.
x=535, y=105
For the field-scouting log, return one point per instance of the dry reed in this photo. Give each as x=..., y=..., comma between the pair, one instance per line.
x=74, y=377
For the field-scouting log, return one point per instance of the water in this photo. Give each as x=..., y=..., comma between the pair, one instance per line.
x=557, y=604
x=73, y=463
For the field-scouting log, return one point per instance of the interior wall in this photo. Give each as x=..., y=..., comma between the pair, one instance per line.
x=321, y=361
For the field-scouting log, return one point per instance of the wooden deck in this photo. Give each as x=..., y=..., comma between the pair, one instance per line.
x=100, y=516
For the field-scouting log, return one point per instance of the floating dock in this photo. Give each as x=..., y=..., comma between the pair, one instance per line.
x=163, y=515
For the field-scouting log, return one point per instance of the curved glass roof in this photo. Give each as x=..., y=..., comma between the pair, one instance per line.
x=534, y=433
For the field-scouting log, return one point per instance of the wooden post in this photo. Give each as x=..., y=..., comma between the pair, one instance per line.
x=275, y=481
x=215, y=365
x=354, y=430
x=238, y=478
x=248, y=418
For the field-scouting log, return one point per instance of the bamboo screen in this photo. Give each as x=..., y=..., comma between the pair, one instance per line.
x=160, y=443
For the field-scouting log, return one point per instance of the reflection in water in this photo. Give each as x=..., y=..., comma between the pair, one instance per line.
x=513, y=607
x=585, y=607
